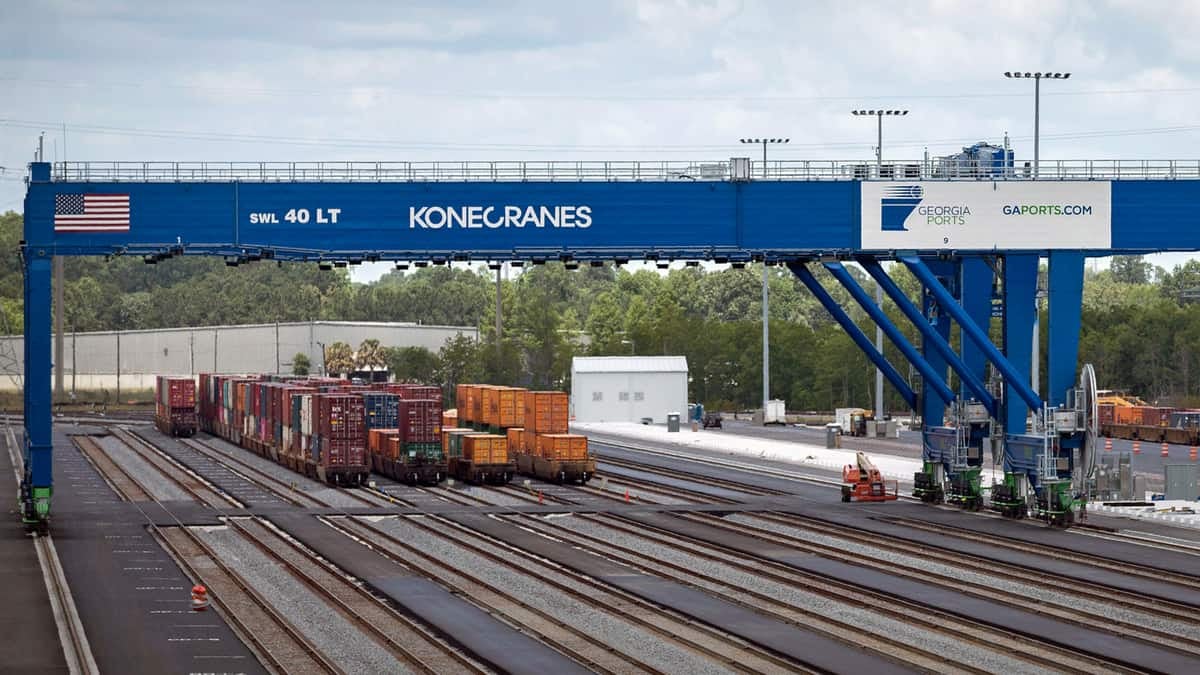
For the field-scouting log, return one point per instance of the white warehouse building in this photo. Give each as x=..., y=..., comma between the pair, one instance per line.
x=628, y=388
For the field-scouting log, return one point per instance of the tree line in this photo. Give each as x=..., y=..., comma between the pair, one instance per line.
x=1140, y=326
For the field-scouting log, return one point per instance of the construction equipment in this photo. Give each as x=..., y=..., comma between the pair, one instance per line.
x=852, y=421
x=862, y=482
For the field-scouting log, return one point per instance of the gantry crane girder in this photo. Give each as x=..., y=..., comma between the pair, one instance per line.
x=962, y=237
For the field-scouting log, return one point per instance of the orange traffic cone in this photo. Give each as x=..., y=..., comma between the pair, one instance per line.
x=1165, y=451
x=1137, y=448
x=626, y=494
x=1108, y=445
x=1192, y=454
x=199, y=598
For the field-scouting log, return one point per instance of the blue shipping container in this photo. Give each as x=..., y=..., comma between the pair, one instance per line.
x=382, y=409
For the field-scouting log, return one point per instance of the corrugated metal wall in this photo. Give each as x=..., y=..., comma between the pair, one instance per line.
x=91, y=358
x=628, y=397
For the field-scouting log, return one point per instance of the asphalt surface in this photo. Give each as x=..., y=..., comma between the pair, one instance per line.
x=30, y=641
x=133, y=599
x=1149, y=462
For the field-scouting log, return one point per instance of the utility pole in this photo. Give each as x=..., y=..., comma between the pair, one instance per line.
x=765, y=142
x=499, y=320
x=1037, y=104
x=60, y=311
x=766, y=342
x=879, y=115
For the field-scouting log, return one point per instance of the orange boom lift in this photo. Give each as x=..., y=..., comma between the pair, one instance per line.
x=862, y=482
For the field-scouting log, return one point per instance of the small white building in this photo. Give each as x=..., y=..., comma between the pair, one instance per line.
x=628, y=388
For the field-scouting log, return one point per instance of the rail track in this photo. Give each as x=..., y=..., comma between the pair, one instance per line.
x=676, y=629
x=285, y=490
x=921, y=560
x=1154, y=574
x=280, y=645
x=191, y=483
x=950, y=628
x=405, y=639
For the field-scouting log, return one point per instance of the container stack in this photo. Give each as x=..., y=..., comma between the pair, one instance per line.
x=175, y=405
x=340, y=439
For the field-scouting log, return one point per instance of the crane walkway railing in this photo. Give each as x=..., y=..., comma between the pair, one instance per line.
x=622, y=171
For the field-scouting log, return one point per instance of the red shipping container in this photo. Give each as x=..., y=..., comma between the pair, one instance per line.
x=340, y=416
x=420, y=421
x=176, y=392
x=337, y=452
x=417, y=392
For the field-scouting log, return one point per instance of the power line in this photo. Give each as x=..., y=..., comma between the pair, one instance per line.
x=576, y=96
x=394, y=144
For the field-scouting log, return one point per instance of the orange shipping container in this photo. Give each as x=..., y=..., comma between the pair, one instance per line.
x=562, y=446
x=460, y=400
x=450, y=418
x=377, y=437
x=546, y=412
x=579, y=446
x=516, y=440
x=504, y=412
x=519, y=406
x=392, y=446
x=488, y=405
x=474, y=393
x=485, y=449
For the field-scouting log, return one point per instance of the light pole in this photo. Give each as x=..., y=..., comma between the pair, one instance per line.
x=1037, y=100
x=879, y=115
x=765, y=142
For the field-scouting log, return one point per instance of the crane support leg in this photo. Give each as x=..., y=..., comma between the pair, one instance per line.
x=931, y=339
x=977, y=288
x=802, y=272
x=1066, y=308
x=1018, y=385
x=36, y=484
x=932, y=379
x=1020, y=296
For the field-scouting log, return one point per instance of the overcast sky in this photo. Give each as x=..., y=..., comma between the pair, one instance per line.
x=636, y=79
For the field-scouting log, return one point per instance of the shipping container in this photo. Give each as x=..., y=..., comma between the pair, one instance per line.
x=420, y=421
x=382, y=409
x=175, y=405
x=450, y=418
x=454, y=447
x=485, y=449
x=516, y=440
x=546, y=412
x=562, y=446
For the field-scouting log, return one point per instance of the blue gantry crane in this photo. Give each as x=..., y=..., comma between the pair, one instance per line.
x=966, y=236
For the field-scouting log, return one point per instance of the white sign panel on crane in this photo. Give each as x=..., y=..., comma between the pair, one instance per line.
x=962, y=215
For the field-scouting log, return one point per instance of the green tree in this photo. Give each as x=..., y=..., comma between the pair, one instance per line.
x=370, y=354
x=460, y=362
x=300, y=364
x=339, y=359
x=1131, y=269
x=412, y=364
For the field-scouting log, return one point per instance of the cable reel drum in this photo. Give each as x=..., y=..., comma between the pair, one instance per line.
x=1089, y=406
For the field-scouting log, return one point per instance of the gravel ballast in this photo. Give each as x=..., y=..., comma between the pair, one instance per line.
x=316, y=489
x=1018, y=589
x=625, y=637
x=340, y=641
x=865, y=620
x=159, y=486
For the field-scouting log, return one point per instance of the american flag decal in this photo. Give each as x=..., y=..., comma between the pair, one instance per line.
x=91, y=213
